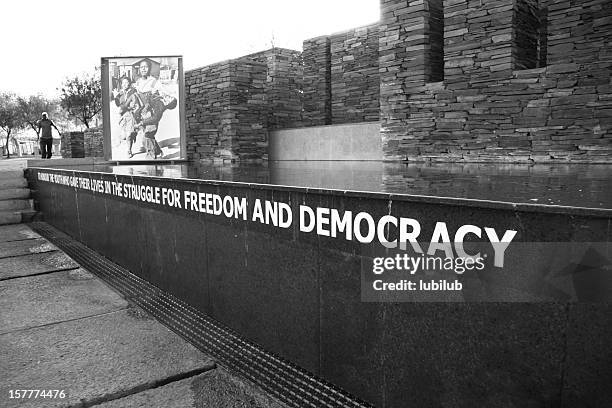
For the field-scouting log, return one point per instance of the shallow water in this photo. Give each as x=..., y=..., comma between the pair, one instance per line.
x=578, y=185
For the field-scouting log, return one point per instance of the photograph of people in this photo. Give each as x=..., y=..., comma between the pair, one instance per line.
x=145, y=123
x=130, y=108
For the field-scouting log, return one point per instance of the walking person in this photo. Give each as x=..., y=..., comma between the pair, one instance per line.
x=46, y=138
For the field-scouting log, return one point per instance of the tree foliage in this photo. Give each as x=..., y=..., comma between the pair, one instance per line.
x=81, y=97
x=10, y=118
x=31, y=109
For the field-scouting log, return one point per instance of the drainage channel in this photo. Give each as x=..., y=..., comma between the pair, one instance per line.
x=288, y=383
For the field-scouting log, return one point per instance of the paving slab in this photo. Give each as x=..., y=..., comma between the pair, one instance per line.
x=10, y=172
x=216, y=388
x=35, y=264
x=30, y=246
x=14, y=193
x=52, y=298
x=93, y=359
x=16, y=232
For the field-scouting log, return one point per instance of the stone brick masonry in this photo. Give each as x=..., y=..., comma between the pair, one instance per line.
x=316, y=58
x=405, y=61
x=355, y=82
x=72, y=145
x=283, y=86
x=225, y=111
x=488, y=108
x=449, y=80
x=93, y=142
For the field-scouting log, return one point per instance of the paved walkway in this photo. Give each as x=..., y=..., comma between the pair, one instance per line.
x=61, y=328
x=14, y=163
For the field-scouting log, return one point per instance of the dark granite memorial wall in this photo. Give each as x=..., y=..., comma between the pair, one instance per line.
x=299, y=294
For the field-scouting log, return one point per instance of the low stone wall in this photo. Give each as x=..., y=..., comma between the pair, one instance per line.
x=355, y=83
x=72, y=145
x=94, y=142
x=488, y=108
x=543, y=114
x=225, y=111
x=283, y=87
x=449, y=80
x=316, y=83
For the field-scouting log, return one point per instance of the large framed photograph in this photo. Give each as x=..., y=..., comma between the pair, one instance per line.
x=143, y=105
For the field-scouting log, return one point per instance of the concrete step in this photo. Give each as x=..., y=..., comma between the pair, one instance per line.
x=13, y=183
x=14, y=193
x=30, y=215
x=10, y=217
x=15, y=205
x=19, y=216
x=11, y=174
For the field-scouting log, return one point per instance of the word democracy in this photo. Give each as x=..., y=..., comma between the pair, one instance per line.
x=364, y=228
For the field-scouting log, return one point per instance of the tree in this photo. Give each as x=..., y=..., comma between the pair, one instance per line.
x=31, y=108
x=81, y=97
x=10, y=119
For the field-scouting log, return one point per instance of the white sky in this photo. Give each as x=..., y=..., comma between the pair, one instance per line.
x=43, y=42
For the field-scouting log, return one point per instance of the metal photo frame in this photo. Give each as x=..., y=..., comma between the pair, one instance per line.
x=143, y=108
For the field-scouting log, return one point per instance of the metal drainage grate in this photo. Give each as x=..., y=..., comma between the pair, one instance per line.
x=290, y=384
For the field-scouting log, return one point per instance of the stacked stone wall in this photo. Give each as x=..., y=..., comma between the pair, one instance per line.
x=316, y=57
x=458, y=80
x=579, y=31
x=355, y=82
x=490, y=109
x=207, y=99
x=225, y=111
x=283, y=86
x=72, y=145
x=248, y=113
x=94, y=142
x=405, y=61
x=535, y=115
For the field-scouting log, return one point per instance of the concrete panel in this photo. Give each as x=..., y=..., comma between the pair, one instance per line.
x=215, y=388
x=35, y=264
x=31, y=246
x=359, y=141
x=16, y=232
x=53, y=298
x=46, y=358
